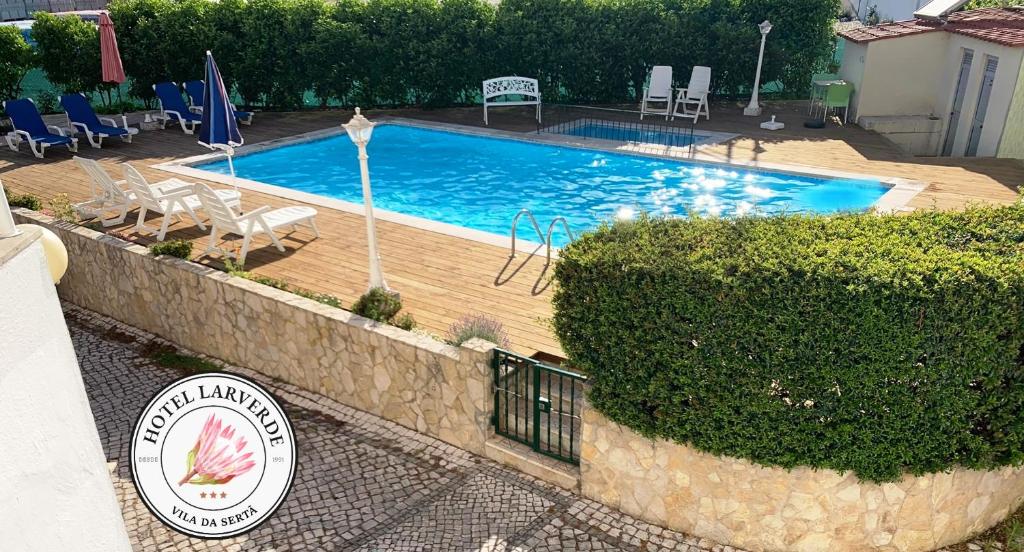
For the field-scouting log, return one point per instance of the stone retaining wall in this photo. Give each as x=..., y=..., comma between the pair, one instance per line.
x=759, y=508
x=434, y=388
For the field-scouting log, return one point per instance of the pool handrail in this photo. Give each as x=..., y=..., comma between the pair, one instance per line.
x=551, y=228
x=515, y=221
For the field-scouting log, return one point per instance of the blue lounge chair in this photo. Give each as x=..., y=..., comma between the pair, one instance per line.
x=29, y=127
x=195, y=90
x=82, y=118
x=173, y=108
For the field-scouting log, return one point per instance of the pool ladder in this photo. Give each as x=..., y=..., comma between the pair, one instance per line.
x=545, y=240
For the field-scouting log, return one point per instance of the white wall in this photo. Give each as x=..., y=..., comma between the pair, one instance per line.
x=55, y=489
x=999, y=101
x=896, y=10
x=901, y=75
x=916, y=76
x=851, y=69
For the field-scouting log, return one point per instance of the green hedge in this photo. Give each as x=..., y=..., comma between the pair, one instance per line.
x=432, y=52
x=876, y=344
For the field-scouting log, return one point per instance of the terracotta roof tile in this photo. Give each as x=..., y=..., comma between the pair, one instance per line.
x=1000, y=25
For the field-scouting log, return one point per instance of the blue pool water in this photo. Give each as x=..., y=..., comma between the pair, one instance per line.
x=482, y=182
x=649, y=134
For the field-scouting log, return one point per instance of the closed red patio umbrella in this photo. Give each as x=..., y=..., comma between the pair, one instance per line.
x=113, y=71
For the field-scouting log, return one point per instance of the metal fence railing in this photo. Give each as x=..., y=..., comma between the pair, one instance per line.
x=618, y=125
x=538, y=405
x=23, y=9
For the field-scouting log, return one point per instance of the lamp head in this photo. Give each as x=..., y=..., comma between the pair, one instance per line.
x=359, y=129
x=765, y=27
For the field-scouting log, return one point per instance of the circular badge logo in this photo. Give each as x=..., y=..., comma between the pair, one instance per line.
x=213, y=455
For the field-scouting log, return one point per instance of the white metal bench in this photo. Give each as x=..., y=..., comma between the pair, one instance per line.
x=524, y=87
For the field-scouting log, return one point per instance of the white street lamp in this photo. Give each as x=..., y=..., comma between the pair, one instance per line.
x=754, y=108
x=359, y=130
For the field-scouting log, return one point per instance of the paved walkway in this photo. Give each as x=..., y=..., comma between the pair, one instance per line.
x=363, y=483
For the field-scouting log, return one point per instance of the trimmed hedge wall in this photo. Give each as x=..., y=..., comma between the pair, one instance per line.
x=878, y=344
x=434, y=52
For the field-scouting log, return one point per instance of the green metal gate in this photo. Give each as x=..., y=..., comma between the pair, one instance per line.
x=538, y=405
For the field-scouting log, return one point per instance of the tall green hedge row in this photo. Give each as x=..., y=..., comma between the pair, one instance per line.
x=436, y=52
x=877, y=344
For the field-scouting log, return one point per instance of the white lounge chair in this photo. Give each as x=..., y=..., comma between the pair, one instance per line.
x=659, y=91
x=495, y=90
x=264, y=220
x=168, y=202
x=694, y=98
x=110, y=195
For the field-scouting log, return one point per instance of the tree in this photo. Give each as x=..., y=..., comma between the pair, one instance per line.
x=975, y=4
x=16, y=59
x=68, y=50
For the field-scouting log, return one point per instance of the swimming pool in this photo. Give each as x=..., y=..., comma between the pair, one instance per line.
x=481, y=182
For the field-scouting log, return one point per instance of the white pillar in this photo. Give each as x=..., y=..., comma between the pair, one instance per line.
x=7, y=228
x=753, y=109
x=376, y=274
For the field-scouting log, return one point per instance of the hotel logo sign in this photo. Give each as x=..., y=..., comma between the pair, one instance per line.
x=213, y=455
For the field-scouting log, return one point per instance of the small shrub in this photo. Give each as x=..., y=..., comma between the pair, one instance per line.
x=181, y=249
x=27, y=201
x=46, y=102
x=478, y=325
x=61, y=208
x=236, y=269
x=324, y=298
x=378, y=304
x=404, y=321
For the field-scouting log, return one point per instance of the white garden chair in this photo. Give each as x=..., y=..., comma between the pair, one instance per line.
x=171, y=202
x=658, y=91
x=694, y=98
x=110, y=195
x=224, y=220
x=495, y=90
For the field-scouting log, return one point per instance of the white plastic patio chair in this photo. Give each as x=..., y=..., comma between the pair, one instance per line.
x=168, y=202
x=694, y=98
x=263, y=220
x=111, y=195
x=658, y=90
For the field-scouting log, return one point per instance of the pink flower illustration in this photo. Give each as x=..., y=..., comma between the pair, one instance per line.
x=216, y=459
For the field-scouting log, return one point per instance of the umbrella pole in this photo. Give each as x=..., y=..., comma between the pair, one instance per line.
x=231, y=167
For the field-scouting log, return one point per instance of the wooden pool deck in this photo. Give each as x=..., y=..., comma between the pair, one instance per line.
x=442, y=277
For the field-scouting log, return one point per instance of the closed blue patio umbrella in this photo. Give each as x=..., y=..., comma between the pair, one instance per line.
x=219, y=129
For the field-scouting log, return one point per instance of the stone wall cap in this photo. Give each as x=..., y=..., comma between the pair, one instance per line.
x=9, y=247
x=310, y=306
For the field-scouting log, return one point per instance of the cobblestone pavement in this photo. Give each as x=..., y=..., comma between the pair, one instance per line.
x=363, y=483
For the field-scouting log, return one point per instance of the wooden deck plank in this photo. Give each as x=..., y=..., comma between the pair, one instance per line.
x=442, y=277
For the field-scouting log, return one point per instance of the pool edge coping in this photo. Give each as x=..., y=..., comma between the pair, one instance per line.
x=901, y=191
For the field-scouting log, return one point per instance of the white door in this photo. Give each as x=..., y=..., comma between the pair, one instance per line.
x=958, y=101
x=979, y=114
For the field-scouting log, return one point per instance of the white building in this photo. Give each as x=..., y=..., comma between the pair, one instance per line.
x=54, y=479
x=942, y=87
x=887, y=10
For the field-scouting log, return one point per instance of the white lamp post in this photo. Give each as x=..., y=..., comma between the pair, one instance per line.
x=359, y=130
x=754, y=108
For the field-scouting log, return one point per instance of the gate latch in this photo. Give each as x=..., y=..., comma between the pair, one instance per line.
x=544, y=404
